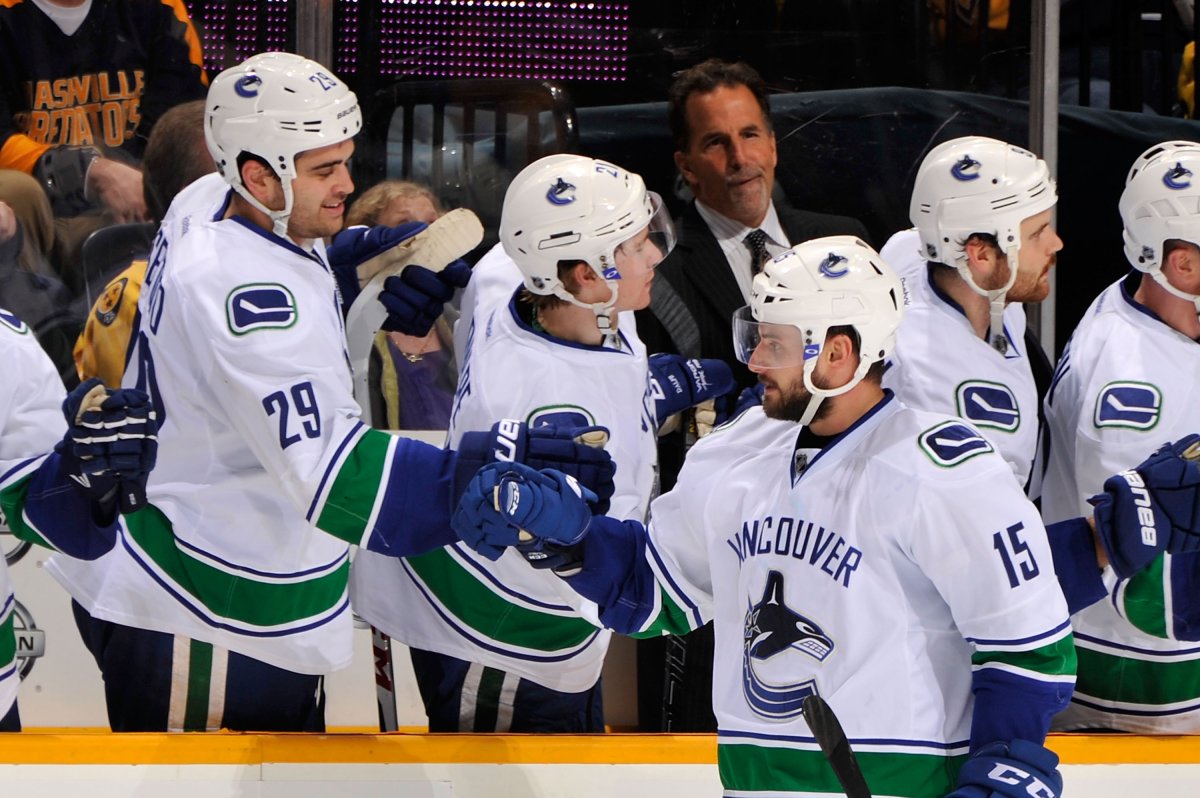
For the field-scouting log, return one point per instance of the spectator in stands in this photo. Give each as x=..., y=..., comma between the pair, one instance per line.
x=725, y=150
x=82, y=83
x=412, y=378
x=175, y=156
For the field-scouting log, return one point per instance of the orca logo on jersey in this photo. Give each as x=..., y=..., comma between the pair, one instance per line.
x=558, y=193
x=966, y=169
x=247, y=86
x=988, y=404
x=1177, y=177
x=260, y=306
x=832, y=266
x=1132, y=405
x=772, y=629
x=951, y=443
x=13, y=323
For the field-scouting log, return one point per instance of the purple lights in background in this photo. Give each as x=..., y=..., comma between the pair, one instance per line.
x=557, y=39
x=233, y=30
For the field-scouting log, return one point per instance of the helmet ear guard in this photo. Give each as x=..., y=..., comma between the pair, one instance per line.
x=815, y=286
x=1160, y=203
x=274, y=106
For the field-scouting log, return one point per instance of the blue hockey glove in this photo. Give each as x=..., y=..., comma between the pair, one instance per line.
x=110, y=447
x=577, y=451
x=1152, y=507
x=357, y=245
x=1020, y=769
x=543, y=514
x=679, y=383
x=415, y=297
x=748, y=398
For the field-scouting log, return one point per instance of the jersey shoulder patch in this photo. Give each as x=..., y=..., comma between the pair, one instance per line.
x=260, y=306
x=988, y=404
x=10, y=321
x=1132, y=405
x=951, y=442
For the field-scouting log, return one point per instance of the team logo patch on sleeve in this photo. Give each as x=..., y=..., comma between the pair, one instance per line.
x=951, y=443
x=561, y=416
x=109, y=304
x=13, y=323
x=988, y=404
x=260, y=306
x=1133, y=405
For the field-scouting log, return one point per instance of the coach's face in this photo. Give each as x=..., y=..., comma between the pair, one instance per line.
x=730, y=158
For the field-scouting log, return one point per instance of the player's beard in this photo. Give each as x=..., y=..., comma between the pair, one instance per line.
x=792, y=403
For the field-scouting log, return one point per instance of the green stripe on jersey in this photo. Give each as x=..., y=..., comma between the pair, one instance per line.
x=8, y=642
x=12, y=501
x=240, y=598
x=671, y=619
x=1136, y=681
x=347, y=508
x=1054, y=659
x=1143, y=602
x=492, y=616
x=778, y=771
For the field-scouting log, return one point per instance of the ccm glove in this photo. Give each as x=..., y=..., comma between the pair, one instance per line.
x=577, y=451
x=1020, y=769
x=543, y=514
x=679, y=383
x=415, y=297
x=111, y=445
x=1151, y=508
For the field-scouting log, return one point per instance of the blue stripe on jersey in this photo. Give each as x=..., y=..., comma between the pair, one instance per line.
x=21, y=466
x=1146, y=652
x=1064, y=366
x=691, y=607
x=334, y=464
x=195, y=609
x=1022, y=641
x=231, y=566
x=7, y=606
x=482, y=642
x=484, y=575
x=9, y=672
x=1141, y=713
x=959, y=745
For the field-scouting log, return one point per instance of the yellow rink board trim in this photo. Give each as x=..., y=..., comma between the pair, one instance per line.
x=34, y=747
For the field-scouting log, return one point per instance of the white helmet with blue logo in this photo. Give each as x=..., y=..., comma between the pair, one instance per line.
x=574, y=208
x=973, y=185
x=275, y=106
x=827, y=282
x=1161, y=202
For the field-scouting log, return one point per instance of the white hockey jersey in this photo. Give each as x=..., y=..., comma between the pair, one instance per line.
x=879, y=574
x=241, y=343
x=1126, y=384
x=31, y=423
x=941, y=364
x=505, y=614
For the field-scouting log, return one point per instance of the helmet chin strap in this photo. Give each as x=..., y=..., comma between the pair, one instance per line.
x=279, y=219
x=995, y=297
x=603, y=311
x=819, y=395
x=1162, y=280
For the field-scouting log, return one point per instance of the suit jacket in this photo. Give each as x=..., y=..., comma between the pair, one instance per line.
x=695, y=293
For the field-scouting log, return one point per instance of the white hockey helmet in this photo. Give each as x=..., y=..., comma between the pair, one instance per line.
x=275, y=106
x=975, y=185
x=1161, y=202
x=575, y=208
x=823, y=283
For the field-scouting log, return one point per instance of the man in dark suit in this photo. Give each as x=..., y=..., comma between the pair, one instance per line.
x=725, y=150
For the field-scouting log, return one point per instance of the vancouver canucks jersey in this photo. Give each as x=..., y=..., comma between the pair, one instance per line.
x=1126, y=384
x=889, y=571
x=941, y=364
x=241, y=344
x=31, y=423
x=505, y=614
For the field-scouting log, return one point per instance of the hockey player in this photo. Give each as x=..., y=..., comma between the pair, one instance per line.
x=843, y=544
x=497, y=646
x=226, y=601
x=1128, y=381
x=983, y=243
x=60, y=484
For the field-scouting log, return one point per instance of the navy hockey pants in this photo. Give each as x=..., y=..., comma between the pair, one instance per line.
x=11, y=722
x=461, y=696
x=160, y=682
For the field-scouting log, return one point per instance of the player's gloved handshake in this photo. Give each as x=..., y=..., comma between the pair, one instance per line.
x=576, y=451
x=680, y=383
x=543, y=514
x=110, y=447
x=1151, y=508
x=1019, y=769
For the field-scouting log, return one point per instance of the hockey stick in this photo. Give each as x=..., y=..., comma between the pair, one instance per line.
x=385, y=681
x=832, y=739
x=446, y=240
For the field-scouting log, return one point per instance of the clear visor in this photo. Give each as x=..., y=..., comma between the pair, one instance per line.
x=649, y=245
x=769, y=346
